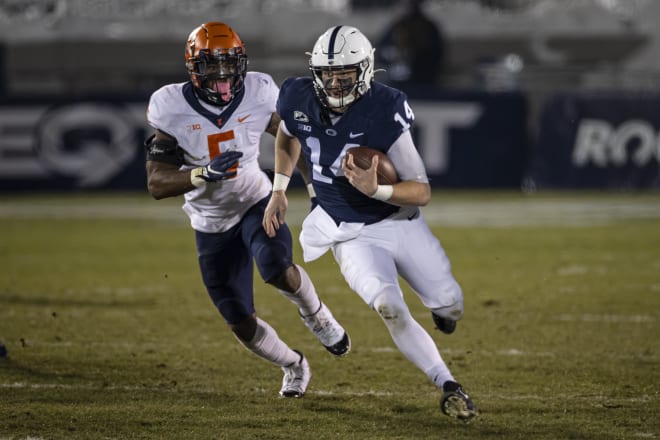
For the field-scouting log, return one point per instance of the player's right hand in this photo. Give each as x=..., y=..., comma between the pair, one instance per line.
x=221, y=167
x=364, y=180
x=274, y=213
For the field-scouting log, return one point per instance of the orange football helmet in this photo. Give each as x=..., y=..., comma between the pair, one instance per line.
x=216, y=62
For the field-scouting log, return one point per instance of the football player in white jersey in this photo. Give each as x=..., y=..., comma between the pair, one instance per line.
x=376, y=232
x=206, y=146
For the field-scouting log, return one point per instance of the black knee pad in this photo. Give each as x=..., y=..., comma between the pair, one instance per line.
x=234, y=310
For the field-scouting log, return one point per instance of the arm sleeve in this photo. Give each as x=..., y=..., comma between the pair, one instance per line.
x=406, y=159
x=167, y=151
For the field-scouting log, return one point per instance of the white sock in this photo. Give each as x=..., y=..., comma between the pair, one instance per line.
x=267, y=345
x=412, y=340
x=440, y=374
x=305, y=297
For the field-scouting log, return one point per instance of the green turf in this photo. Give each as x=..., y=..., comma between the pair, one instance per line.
x=111, y=335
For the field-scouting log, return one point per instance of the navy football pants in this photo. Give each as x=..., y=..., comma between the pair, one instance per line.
x=225, y=260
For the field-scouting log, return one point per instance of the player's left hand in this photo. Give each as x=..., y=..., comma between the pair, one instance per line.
x=274, y=213
x=366, y=181
x=221, y=167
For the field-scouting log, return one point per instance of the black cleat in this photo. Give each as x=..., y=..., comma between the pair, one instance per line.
x=445, y=325
x=456, y=403
x=342, y=347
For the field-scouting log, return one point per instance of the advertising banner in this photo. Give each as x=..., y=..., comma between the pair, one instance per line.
x=598, y=140
x=467, y=140
x=471, y=139
x=72, y=145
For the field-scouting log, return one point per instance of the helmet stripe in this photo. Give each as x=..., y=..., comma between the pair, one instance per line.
x=331, y=46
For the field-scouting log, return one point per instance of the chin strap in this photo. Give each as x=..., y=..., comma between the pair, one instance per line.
x=343, y=101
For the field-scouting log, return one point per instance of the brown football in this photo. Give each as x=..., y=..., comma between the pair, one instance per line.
x=386, y=172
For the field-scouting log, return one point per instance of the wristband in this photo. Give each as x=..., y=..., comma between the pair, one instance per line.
x=310, y=190
x=280, y=182
x=383, y=193
x=194, y=177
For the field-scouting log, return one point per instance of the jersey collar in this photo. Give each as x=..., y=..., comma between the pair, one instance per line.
x=219, y=120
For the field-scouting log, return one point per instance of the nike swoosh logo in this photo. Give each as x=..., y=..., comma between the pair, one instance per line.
x=413, y=216
x=240, y=120
x=354, y=135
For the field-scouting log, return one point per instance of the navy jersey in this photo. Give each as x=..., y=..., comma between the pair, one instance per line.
x=375, y=120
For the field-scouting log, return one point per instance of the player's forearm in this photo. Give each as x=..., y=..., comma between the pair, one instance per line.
x=287, y=150
x=167, y=182
x=410, y=193
x=304, y=171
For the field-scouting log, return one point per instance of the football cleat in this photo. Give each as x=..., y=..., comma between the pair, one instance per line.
x=456, y=403
x=445, y=325
x=296, y=378
x=326, y=328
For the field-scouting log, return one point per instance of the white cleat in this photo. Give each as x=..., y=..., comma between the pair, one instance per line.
x=326, y=328
x=296, y=378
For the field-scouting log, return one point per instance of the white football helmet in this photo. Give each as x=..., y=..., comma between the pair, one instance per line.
x=342, y=48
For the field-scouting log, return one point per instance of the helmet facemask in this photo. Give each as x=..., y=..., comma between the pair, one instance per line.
x=218, y=78
x=338, y=87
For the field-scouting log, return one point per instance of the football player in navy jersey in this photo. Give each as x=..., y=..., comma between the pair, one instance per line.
x=206, y=147
x=376, y=232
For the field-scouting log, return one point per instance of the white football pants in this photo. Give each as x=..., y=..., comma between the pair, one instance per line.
x=372, y=261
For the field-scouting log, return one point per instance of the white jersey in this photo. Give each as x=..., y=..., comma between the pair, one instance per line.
x=203, y=132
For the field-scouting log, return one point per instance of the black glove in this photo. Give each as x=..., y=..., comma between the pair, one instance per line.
x=220, y=168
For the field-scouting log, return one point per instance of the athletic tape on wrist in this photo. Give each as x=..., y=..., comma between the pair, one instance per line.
x=194, y=177
x=280, y=182
x=383, y=193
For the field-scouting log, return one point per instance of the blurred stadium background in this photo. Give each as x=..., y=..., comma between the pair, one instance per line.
x=535, y=93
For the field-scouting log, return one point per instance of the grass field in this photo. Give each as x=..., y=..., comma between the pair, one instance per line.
x=111, y=335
